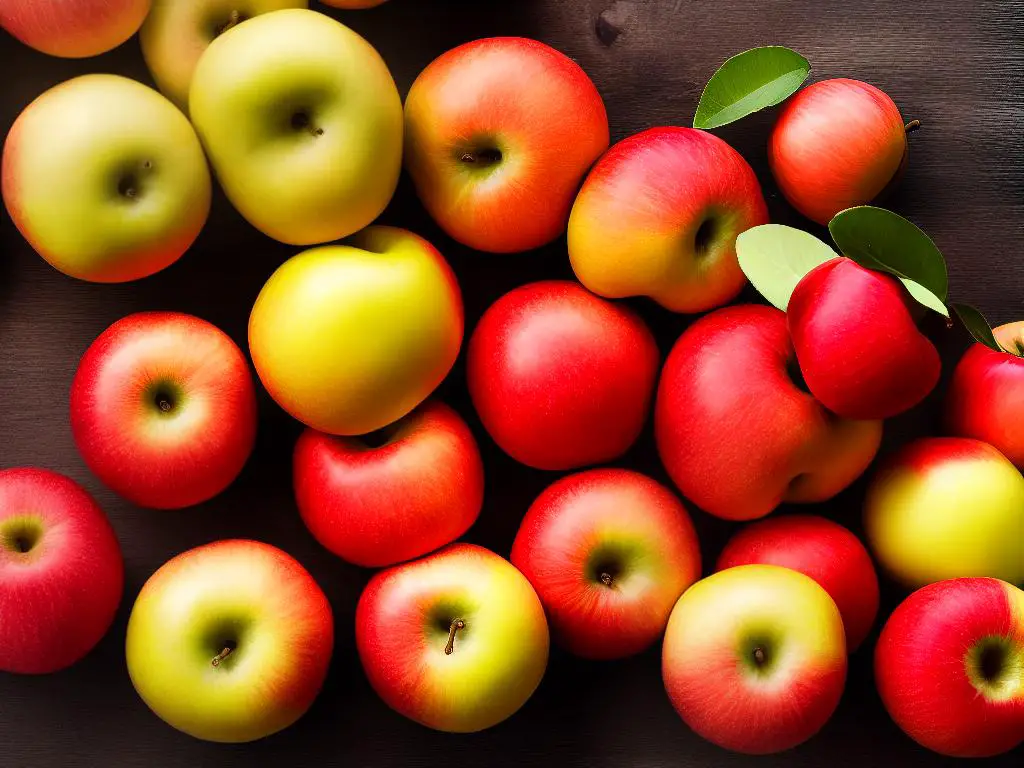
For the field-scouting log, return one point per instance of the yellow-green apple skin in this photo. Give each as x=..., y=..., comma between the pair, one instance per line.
x=105, y=179
x=177, y=33
x=230, y=641
x=349, y=338
x=754, y=658
x=456, y=641
x=302, y=123
x=945, y=508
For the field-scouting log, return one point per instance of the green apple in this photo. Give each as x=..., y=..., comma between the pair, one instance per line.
x=176, y=33
x=105, y=179
x=302, y=123
x=230, y=642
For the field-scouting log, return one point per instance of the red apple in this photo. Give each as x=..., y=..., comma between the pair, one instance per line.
x=826, y=551
x=499, y=134
x=735, y=431
x=73, y=28
x=837, y=144
x=859, y=348
x=417, y=487
x=987, y=390
x=659, y=215
x=163, y=409
x=61, y=572
x=561, y=378
x=950, y=667
x=609, y=552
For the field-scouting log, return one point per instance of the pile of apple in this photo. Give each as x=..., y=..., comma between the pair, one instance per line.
x=507, y=143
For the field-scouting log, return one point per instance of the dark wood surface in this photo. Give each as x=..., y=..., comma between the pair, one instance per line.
x=956, y=66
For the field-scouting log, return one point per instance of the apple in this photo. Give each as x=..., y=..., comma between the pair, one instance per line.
x=350, y=338
x=754, y=658
x=659, y=215
x=413, y=489
x=987, y=388
x=73, y=29
x=499, y=134
x=176, y=34
x=857, y=342
x=949, y=666
x=946, y=507
x=609, y=552
x=824, y=550
x=302, y=124
x=837, y=144
x=735, y=430
x=61, y=572
x=105, y=179
x=559, y=377
x=456, y=641
x=230, y=641
x=163, y=409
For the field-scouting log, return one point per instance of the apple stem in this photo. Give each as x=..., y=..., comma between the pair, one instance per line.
x=606, y=579
x=912, y=126
x=759, y=655
x=455, y=627
x=232, y=21
x=220, y=657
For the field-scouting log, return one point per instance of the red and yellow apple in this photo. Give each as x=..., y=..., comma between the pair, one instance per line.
x=456, y=641
x=61, y=572
x=559, y=377
x=73, y=29
x=947, y=507
x=499, y=134
x=949, y=666
x=737, y=434
x=163, y=409
x=837, y=144
x=824, y=550
x=413, y=489
x=754, y=658
x=659, y=215
x=609, y=552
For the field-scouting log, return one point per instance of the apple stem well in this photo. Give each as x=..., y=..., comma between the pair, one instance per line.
x=482, y=157
x=301, y=121
x=457, y=624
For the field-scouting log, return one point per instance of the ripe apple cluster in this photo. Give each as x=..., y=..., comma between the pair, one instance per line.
x=507, y=144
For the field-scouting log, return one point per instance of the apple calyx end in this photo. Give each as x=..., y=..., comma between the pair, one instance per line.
x=456, y=625
x=759, y=656
x=606, y=579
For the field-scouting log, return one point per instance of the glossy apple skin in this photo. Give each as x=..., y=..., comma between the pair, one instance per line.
x=302, y=123
x=736, y=434
x=561, y=378
x=618, y=523
x=859, y=348
x=836, y=144
x=947, y=507
x=379, y=505
x=175, y=35
x=928, y=667
x=155, y=458
x=77, y=28
x=521, y=98
x=403, y=624
x=659, y=215
x=708, y=658
x=822, y=549
x=988, y=387
x=105, y=179
x=61, y=572
x=350, y=338
x=235, y=592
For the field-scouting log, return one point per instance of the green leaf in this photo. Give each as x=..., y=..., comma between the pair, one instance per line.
x=748, y=82
x=775, y=258
x=976, y=323
x=882, y=240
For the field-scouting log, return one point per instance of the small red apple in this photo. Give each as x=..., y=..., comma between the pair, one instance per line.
x=376, y=504
x=826, y=551
x=561, y=378
x=163, y=409
x=609, y=552
x=837, y=144
x=73, y=28
x=858, y=345
x=61, y=572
